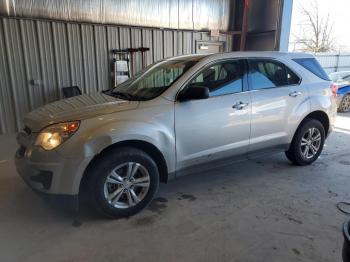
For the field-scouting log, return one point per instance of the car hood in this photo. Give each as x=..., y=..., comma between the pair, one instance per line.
x=76, y=108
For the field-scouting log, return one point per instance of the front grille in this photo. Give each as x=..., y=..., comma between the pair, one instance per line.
x=27, y=130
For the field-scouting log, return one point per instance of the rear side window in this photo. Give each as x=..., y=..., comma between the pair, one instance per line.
x=313, y=66
x=269, y=73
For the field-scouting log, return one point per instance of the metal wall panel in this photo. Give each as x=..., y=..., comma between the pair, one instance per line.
x=178, y=43
x=136, y=41
x=158, y=53
x=47, y=61
x=7, y=106
x=32, y=63
x=195, y=36
x=16, y=70
x=112, y=43
x=60, y=41
x=175, y=14
x=38, y=58
x=187, y=47
x=89, y=59
x=147, y=41
x=168, y=44
x=113, y=37
x=101, y=52
x=205, y=37
x=75, y=55
x=124, y=37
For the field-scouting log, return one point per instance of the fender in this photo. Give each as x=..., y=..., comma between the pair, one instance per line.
x=159, y=136
x=324, y=101
x=101, y=137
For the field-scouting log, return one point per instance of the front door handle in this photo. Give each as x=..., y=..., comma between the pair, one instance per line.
x=239, y=105
x=295, y=94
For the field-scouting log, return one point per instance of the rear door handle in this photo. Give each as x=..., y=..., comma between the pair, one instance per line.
x=295, y=94
x=239, y=105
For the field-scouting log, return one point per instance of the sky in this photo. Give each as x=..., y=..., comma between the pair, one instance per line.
x=339, y=11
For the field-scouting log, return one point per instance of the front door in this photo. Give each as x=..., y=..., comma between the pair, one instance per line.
x=217, y=127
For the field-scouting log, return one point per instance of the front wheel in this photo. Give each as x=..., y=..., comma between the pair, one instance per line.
x=307, y=143
x=122, y=182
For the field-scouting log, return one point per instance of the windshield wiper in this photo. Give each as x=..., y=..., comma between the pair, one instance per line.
x=122, y=95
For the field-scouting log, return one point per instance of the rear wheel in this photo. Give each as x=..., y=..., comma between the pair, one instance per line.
x=122, y=182
x=307, y=143
x=345, y=104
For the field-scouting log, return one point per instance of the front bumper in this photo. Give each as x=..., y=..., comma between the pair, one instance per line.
x=48, y=171
x=41, y=176
x=40, y=179
x=68, y=203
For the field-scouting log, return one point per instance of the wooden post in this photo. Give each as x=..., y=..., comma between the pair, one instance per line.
x=244, y=24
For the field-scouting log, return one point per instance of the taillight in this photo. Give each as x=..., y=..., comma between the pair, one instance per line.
x=334, y=88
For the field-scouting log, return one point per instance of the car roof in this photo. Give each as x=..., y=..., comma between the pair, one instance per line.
x=243, y=54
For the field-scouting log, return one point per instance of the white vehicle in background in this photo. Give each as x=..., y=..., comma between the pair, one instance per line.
x=180, y=114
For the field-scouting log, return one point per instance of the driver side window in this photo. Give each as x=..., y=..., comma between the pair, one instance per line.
x=222, y=78
x=162, y=77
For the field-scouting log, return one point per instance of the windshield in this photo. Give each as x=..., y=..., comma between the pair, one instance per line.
x=153, y=80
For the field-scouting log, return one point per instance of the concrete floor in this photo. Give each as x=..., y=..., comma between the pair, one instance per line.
x=258, y=210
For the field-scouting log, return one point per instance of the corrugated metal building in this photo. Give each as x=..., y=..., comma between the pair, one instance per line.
x=49, y=44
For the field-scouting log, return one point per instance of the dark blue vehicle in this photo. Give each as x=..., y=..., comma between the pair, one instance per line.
x=342, y=87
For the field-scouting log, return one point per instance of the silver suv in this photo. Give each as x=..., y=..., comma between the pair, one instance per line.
x=175, y=116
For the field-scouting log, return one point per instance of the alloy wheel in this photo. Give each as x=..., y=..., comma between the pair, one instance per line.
x=310, y=143
x=127, y=185
x=345, y=104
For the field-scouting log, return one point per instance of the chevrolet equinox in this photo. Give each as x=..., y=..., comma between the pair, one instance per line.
x=177, y=115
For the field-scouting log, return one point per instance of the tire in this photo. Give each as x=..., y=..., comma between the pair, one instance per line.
x=303, y=150
x=110, y=188
x=345, y=104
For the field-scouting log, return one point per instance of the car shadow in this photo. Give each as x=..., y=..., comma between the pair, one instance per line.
x=27, y=204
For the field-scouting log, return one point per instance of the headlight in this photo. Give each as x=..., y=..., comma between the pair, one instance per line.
x=52, y=136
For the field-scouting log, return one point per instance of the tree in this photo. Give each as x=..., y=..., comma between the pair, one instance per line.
x=316, y=35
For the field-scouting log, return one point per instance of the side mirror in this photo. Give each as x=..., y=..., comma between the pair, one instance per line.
x=194, y=92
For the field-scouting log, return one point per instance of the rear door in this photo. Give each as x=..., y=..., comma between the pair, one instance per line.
x=277, y=96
